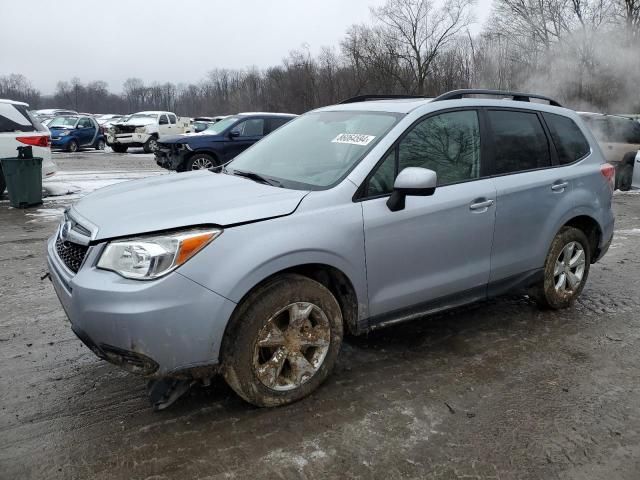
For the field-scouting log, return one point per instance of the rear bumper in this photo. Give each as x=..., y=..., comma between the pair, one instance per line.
x=168, y=327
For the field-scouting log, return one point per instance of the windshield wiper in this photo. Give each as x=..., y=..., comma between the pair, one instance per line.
x=255, y=177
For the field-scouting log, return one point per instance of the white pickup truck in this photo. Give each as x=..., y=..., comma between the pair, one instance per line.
x=143, y=129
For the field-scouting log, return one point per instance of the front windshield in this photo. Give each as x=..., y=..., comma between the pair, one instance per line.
x=63, y=122
x=317, y=149
x=143, y=116
x=221, y=126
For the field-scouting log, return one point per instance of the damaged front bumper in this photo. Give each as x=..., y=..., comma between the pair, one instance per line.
x=170, y=327
x=171, y=157
x=128, y=139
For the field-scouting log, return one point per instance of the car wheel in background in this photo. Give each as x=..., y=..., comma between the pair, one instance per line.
x=565, y=270
x=282, y=341
x=201, y=161
x=624, y=176
x=100, y=145
x=119, y=148
x=72, y=146
x=150, y=145
x=3, y=183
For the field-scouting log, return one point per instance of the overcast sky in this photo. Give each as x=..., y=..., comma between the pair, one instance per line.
x=166, y=40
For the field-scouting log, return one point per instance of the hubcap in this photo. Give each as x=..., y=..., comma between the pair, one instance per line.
x=201, y=163
x=569, y=268
x=153, y=145
x=292, y=346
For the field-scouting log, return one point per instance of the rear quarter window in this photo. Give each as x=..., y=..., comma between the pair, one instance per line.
x=16, y=118
x=570, y=143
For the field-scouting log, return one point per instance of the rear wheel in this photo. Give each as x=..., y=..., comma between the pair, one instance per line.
x=565, y=270
x=150, y=145
x=72, y=146
x=282, y=341
x=119, y=148
x=100, y=144
x=201, y=161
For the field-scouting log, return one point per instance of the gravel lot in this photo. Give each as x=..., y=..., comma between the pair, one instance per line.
x=496, y=390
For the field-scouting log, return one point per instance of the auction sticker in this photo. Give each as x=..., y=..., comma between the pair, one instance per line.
x=353, y=139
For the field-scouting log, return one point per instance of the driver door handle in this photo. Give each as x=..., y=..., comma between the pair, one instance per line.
x=480, y=204
x=559, y=187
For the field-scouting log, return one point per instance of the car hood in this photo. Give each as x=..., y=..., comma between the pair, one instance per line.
x=187, y=137
x=182, y=200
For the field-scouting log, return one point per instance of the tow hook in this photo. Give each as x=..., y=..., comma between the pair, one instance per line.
x=163, y=392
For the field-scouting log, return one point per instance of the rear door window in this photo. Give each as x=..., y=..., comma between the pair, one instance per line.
x=16, y=118
x=519, y=142
x=172, y=119
x=568, y=139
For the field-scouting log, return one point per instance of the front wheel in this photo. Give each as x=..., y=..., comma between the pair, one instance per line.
x=565, y=270
x=119, y=148
x=282, y=341
x=72, y=147
x=150, y=145
x=200, y=161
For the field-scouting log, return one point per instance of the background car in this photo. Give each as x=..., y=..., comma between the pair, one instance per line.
x=619, y=138
x=74, y=132
x=51, y=113
x=219, y=143
x=18, y=128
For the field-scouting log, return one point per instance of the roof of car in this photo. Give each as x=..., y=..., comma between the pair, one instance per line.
x=407, y=105
x=268, y=114
x=13, y=102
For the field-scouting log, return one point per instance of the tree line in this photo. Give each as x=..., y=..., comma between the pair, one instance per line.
x=586, y=53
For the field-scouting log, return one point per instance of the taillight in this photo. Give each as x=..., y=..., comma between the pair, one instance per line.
x=609, y=172
x=36, y=141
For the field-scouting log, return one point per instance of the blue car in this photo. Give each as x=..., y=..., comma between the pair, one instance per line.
x=219, y=143
x=71, y=133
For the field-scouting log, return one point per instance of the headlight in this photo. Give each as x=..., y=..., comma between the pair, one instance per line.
x=141, y=129
x=149, y=257
x=64, y=133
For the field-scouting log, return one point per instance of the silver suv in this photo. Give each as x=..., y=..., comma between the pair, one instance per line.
x=349, y=218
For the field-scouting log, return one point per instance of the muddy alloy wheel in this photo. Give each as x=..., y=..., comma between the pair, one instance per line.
x=100, y=145
x=292, y=346
x=569, y=268
x=566, y=270
x=73, y=146
x=282, y=341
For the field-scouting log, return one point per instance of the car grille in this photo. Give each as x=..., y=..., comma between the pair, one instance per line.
x=124, y=129
x=71, y=254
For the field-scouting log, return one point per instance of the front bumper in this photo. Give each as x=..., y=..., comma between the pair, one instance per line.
x=128, y=139
x=61, y=142
x=170, y=158
x=167, y=327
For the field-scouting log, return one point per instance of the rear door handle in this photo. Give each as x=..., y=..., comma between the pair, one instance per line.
x=559, y=187
x=480, y=204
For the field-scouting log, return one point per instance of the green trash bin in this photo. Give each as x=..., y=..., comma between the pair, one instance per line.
x=23, y=176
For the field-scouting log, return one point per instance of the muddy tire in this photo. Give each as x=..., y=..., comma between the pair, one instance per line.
x=200, y=161
x=150, y=145
x=73, y=146
x=566, y=269
x=282, y=341
x=100, y=144
x=119, y=148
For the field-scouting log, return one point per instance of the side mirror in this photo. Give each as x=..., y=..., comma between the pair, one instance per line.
x=412, y=181
x=234, y=134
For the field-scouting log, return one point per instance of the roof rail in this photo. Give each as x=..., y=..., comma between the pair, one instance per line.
x=517, y=96
x=368, y=98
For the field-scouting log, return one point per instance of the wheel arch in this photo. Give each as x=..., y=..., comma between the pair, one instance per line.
x=591, y=229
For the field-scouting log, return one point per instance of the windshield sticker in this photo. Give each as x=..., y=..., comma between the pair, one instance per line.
x=353, y=139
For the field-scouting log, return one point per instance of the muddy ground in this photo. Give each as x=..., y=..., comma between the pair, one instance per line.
x=497, y=390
